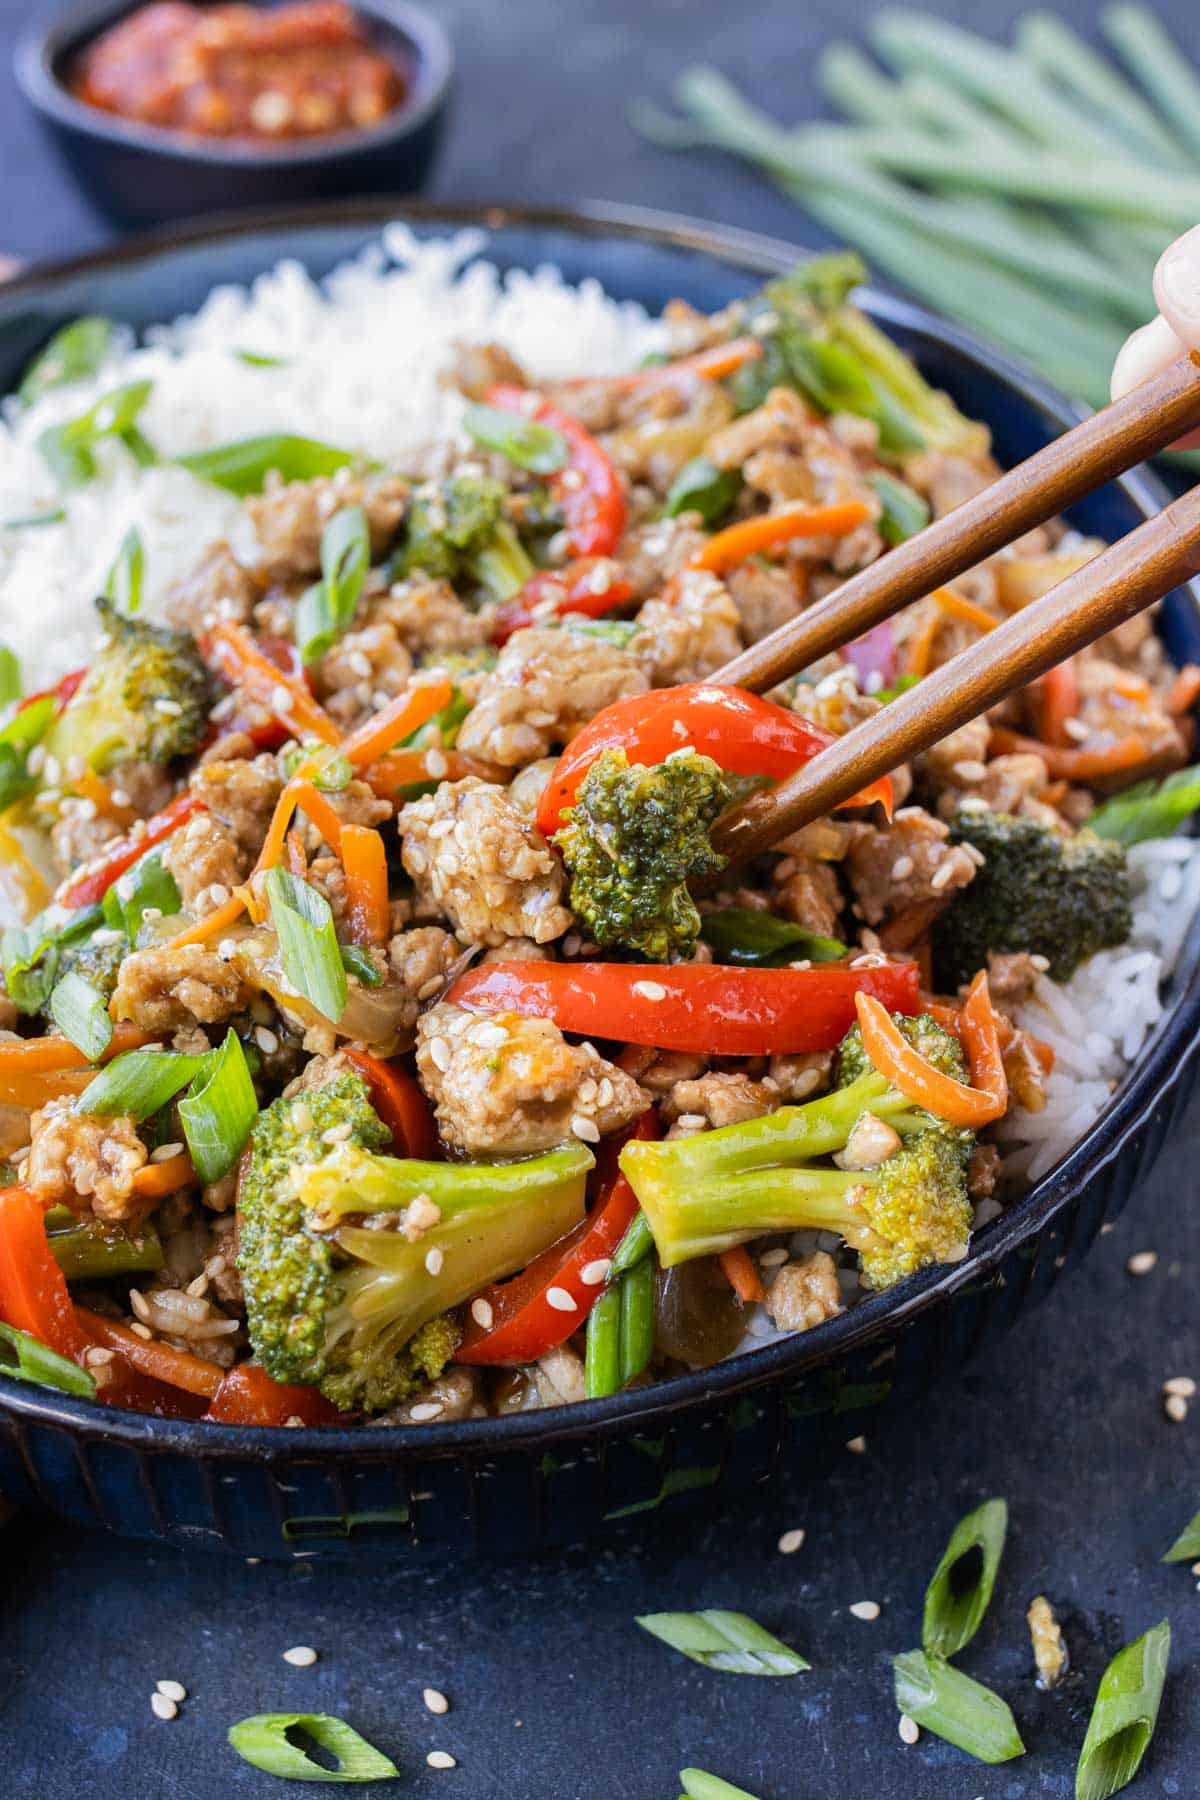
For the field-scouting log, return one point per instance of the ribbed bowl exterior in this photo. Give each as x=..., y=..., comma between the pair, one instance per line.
x=705, y=1440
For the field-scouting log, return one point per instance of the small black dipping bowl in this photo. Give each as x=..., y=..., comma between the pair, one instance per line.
x=146, y=175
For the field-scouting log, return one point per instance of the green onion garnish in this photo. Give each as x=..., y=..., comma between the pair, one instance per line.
x=538, y=448
x=32, y=520
x=1149, y=809
x=72, y=354
x=728, y=1641
x=904, y=512
x=263, y=1741
x=698, y=1784
x=10, y=676
x=257, y=360
x=29, y=955
x=26, y=1359
x=69, y=448
x=957, y=1597
x=357, y=961
x=81, y=1013
x=147, y=887
x=326, y=609
x=17, y=739
x=218, y=1110
x=139, y=1083
x=308, y=946
x=1124, y=1716
x=325, y=765
x=703, y=488
x=242, y=467
x=952, y=1706
x=740, y=934
x=1186, y=1547
x=124, y=583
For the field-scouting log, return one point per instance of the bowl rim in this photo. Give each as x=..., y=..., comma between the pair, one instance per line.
x=43, y=42
x=1175, y=1040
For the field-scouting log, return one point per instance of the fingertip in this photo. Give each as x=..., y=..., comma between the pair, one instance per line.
x=1177, y=287
x=1145, y=353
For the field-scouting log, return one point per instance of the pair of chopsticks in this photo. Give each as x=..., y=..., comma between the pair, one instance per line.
x=1123, y=580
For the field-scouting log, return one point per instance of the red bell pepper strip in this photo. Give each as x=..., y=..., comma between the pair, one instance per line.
x=589, y=490
x=524, y=1325
x=249, y=1396
x=591, y=586
x=93, y=881
x=398, y=1100
x=62, y=691
x=744, y=733
x=704, y=1008
x=33, y=1289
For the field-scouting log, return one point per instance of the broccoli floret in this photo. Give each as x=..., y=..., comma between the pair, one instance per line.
x=457, y=530
x=146, y=697
x=633, y=839
x=1063, y=898
x=96, y=963
x=356, y=1311
x=704, y=1194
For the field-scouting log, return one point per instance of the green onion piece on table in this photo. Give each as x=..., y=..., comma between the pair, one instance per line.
x=1149, y=809
x=125, y=579
x=698, y=1784
x=948, y=1703
x=81, y=1013
x=263, y=1741
x=256, y=360
x=32, y=520
x=72, y=354
x=1186, y=1547
x=1124, y=1716
x=728, y=1641
x=308, y=946
x=218, y=1111
x=703, y=488
x=242, y=467
x=956, y=1599
x=326, y=609
x=525, y=442
x=25, y=1359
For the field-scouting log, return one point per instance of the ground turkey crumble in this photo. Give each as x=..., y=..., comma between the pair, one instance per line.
x=160, y=990
x=545, y=686
x=72, y=1154
x=478, y=863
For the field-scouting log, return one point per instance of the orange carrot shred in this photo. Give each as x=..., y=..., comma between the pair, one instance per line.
x=725, y=549
x=404, y=715
x=956, y=606
x=179, y=1368
x=365, y=862
x=285, y=696
x=907, y=1069
x=1078, y=764
x=1185, y=690
x=742, y=1276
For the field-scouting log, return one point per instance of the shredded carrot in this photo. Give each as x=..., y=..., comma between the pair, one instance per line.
x=213, y=924
x=955, y=606
x=919, y=653
x=33, y=1090
x=950, y=1019
x=155, y=1180
x=1058, y=702
x=178, y=1368
x=296, y=856
x=400, y=769
x=31, y=1056
x=1078, y=764
x=907, y=1069
x=981, y=1041
x=404, y=715
x=285, y=696
x=705, y=365
x=93, y=787
x=324, y=816
x=725, y=549
x=1185, y=690
x=365, y=862
x=742, y=1276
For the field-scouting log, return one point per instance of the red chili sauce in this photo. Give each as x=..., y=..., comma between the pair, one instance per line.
x=293, y=71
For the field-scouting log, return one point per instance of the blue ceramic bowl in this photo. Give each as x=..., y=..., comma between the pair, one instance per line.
x=142, y=175
x=702, y=1439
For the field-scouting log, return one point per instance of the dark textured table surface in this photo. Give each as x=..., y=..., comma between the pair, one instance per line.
x=554, y=1691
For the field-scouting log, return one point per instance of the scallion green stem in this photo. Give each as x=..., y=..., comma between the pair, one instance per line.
x=1163, y=69
x=954, y=1609
x=1124, y=1716
x=637, y=1244
x=1186, y=1547
x=963, y=1712
x=637, y=1319
x=698, y=1784
x=1064, y=60
x=24, y=1358
x=730, y=1642
x=264, y=1742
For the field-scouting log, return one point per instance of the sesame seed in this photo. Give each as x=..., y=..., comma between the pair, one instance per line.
x=791, y=1541
x=867, y=1610
x=857, y=1446
x=560, y=1300
x=910, y=1731
x=434, y=1259
x=435, y=1700
x=772, y=1259
x=162, y=1707
x=585, y=1128
x=280, y=701
x=142, y=1331
x=441, y=1759
x=1180, y=1384
x=107, y=935
x=174, y=1690
x=941, y=876
x=593, y=1274
x=1039, y=962
x=482, y=1314
x=437, y=764
x=1176, y=1408
x=902, y=867
x=439, y=1054
x=165, y=1152
x=650, y=990
x=490, y=1036
x=301, y=1656
x=266, y=1039
x=1141, y=1262
x=426, y=1410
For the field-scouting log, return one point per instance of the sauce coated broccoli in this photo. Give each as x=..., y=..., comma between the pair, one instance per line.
x=147, y=695
x=457, y=530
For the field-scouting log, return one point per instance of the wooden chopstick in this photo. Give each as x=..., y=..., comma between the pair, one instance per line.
x=1105, y=445
x=1123, y=580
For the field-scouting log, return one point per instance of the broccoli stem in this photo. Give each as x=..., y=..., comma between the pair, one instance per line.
x=704, y=1216
x=501, y=566
x=85, y=1251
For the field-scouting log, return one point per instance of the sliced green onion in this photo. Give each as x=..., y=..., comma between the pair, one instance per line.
x=956, y=1599
x=32, y=520
x=1186, y=1547
x=728, y=1641
x=952, y=1706
x=29, y=955
x=72, y=354
x=218, y=1111
x=148, y=886
x=633, y=1247
x=357, y=961
x=24, y=1358
x=308, y=946
x=124, y=582
x=81, y=1013
x=904, y=512
x=703, y=488
x=637, y=1320
x=538, y=448
x=243, y=467
x=698, y=1784
x=740, y=934
x=1149, y=809
x=139, y=1083
x=68, y=448
x=26, y=728
x=1124, y=1716
x=263, y=1742
x=10, y=676
x=326, y=609
x=257, y=360
x=324, y=764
